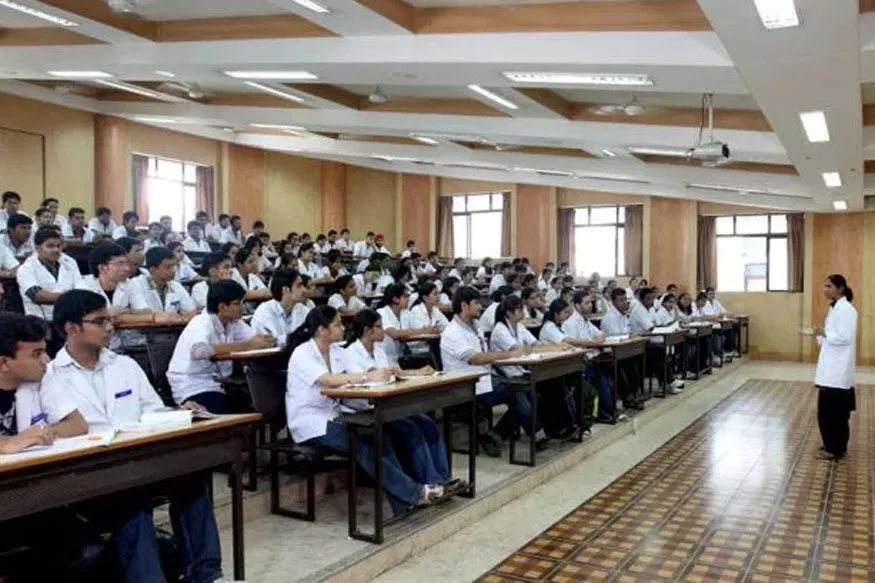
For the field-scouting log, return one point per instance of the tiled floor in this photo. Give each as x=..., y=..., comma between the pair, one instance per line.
x=737, y=496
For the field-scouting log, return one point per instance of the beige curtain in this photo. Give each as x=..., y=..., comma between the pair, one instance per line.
x=707, y=263
x=566, y=238
x=795, y=252
x=205, y=190
x=139, y=172
x=634, y=234
x=445, y=245
x=505, y=225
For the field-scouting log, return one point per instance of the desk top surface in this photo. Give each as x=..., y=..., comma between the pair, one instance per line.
x=409, y=385
x=541, y=358
x=151, y=325
x=249, y=354
x=123, y=440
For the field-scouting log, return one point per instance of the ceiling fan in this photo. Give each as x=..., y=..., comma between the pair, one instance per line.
x=190, y=90
x=127, y=6
x=631, y=108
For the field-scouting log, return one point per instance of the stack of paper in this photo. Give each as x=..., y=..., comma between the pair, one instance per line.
x=88, y=441
x=161, y=421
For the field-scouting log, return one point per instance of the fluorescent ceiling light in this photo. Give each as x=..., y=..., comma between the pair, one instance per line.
x=38, y=13
x=276, y=126
x=80, y=74
x=648, y=151
x=815, y=126
x=493, y=97
x=608, y=154
x=426, y=140
x=314, y=6
x=614, y=179
x=832, y=179
x=777, y=13
x=560, y=78
x=477, y=166
x=452, y=137
x=273, y=75
x=547, y=172
x=149, y=119
x=394, y=158
x=277, y=92
x=840, y=205
x=165, y=74
x=131, y=89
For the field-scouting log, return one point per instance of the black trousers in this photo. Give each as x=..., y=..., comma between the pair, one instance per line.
x=834, y=408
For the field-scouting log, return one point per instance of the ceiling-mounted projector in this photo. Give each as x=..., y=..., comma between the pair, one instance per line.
x=715, y=150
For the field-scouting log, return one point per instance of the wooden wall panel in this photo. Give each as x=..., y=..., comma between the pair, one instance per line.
x=774, y=323
x=293, y=194
x=536, y=217
x=246, y=183
x=415, y=194
x=111, y=163
x=333, y=196
x=371, y=203
x=672, y=242
x=21, y=165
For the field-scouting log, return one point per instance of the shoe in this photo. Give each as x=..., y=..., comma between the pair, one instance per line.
x=715, y=361
x=607, y=419
x=490, y=443
x=622, y=417
x=673, y=391
x=455, y=487
x=677, y=384
x=825, y=456
x=429, y=494
x=634, y=405
x=541, y=440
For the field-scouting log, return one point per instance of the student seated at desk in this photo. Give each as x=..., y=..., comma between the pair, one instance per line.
x=17, y=239
x=217, y=332
x=686, y=309
x=216, y=266
x=102, y=224
x=162, y=295
x=533, y=304
x=448, y=288
x=500, y=278
x=485, y=270
x=153, y=238
x=75, y=228
x=128, y=227
x=263, y=263
x=278, y=317
x=8, y=263
x=311, y=417
x=555, y=290
x=702, y=312
x=364, y=249
x=11, y=206
x=425, y=313
x=394, y=314
x=334, y=264
x=134, y=254
x=486, y=320
x=246, y=274
x=344, y=299
x=45, y=275
x=185, y=270
x=195, y=241
x=457, y=269
x=714, y=309
x=307, y=266
x=230, y=249
x=303, y=308
x=642, y=320
x=111, y=391
x=367, y=283
x=615, y=322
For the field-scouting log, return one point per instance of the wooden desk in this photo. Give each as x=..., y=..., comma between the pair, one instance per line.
x=669, y=339
x=725, y=325
x=701, y=336
x=33, y=485
x=398, y=401
x=548, y=366
x=434, y=347
x=249, y=355
x=152, y=327
x=627, y=349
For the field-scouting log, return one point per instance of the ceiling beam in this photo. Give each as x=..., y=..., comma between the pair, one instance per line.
x=399, y=12
x=239, y=28
x=785, y=169
x=635, y=15
x=329, y=96
x=101, y=13
x=729, y=119
x=547, y=100
x=34, y=37
x=462, y=107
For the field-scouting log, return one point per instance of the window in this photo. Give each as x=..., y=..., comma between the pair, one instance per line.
x=172, y=191
x=752, y=253
x=599, y=240
x=477, y=224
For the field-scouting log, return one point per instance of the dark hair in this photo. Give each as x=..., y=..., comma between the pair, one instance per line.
x=16, y=220
x=156, y=255
x=616, y=293
x=287, y=258
x=226, y=247
x=344, y=230
x=399, y=271
x=370, y=234
x=502, y=292
x=365, y=319
x=212, y=260
x=200, y=214
x=45, y=234
x=11, y=195
x=464, y=295
x=128, y=216
x=102, y=210
x=512, y=278
x=701, y=296
x=396, y=290
x=448, y=283
x=689, y=309
x=154, y=224
x=19, y=328
x=172, y=246
x=530, y=279
x=192, y=224
x=305, y=247
x=424, y=289
x=237, y=217
x=75, y=211
x=643, y=292
x=528, y=293
x=127, y=243
x=74, y=305
x=251, y=242
x=242, y=255
x=841, y=283
x=643, y=281
x=223, y=216
x=671, y=285
x=283, y=277
x=223, y=292
x=333, y=255
x=46, y=201
x=320, y=237
x=318, y=317
x=579, y=296
x=508, y=305
x=305, y=235
x=410, y=242
x=332, y=232
x=668, y=297
x=40, y=212
x=341, y=282
x=709, y=289
x=258, y=224
x=102, y=255
x=556, y=307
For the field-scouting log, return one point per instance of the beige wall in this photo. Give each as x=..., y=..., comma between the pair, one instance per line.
x=775, y=318
x=371, y=203
x=292, y=194
x=69, y=149
x=21, y=163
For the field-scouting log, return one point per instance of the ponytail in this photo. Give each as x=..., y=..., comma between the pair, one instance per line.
x=556, y=307
x=841, y=284
x=507, y=306
x=424, y=289
x=396, y=290
x=319, y=317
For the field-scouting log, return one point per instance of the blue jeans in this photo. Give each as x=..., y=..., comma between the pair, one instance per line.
x=194, y=526
x=402, y=491
x=421, y=444
x=519, y=407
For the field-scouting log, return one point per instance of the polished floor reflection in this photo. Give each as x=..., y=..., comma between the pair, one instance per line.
x=737, y=496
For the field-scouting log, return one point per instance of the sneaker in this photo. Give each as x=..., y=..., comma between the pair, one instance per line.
x=677, y=384
x=673, y=391
x=622, y=417
x=541, y=440
x=715, y=361
x=490, y=443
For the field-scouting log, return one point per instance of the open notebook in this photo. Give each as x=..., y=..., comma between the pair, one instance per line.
x=80, y=442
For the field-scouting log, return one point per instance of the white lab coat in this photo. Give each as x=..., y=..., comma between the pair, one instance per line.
x=271, y=318
x=176, y=298
x=307, y=411
x=837, y=362
x=33, y=273
x=30, y=408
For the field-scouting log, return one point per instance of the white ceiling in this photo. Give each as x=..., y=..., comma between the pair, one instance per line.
x=424, y=3
x=819, y=65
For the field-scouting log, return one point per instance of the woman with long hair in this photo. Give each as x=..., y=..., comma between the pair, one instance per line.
x=393, y=311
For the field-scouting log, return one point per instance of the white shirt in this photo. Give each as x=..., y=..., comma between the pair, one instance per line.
x=497, y=281
x=837, y=361
x=407, y=253
x=4, y=218
x=213, y=232
x=455, y=273
x=189, y=376
x=481, y=272
x=124, y=296
x=391, y=321
x=312, y=270
x=119, y=232
x=148, y=243
x=113, y=395
x=87, y=233
x=199, y=246
x=307, y=411
x=199, y=293
x=8, y=262
x=342, y=245
x=665, y=318
x=577, y=327
x=503, y=339
x=459, y=344
x=101, y=229
x=229, y=235
x=336, y=301
x=252, y=282
x=271, y=318
x=30, y=406
x=176, y=298
x=487, y=319
x=641, y=319
x=322, y=249
x=551, y=333
x=550, y=296
x=614, y=323
x=712, y=308
x=21, y=253
x=363, y=249
x=362, y=287
x=185, y=271
x=33, y=273
x=418, y=317
x=299, y=313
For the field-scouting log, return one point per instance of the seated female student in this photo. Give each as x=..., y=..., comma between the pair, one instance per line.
x=533, y=306
x=215, y=267
x=449, y=287
x=425, y=312
x=246, y=274
x=334, y=260
x=278, y=317
x=458, y=268
x=344, y=299
x=394, y=314
x=485, y=269
x=468, y=276
x=511, y=334
x=254, y=246
x=685, y=310
x=311, y=417
x=546, y=277
x=554, y=291
x=567, y=294
x=530, y=281
x=714, y=308
x=302, y=308
x=230, y=249
x=185, y=270
x=487, y=319
x=703, y=313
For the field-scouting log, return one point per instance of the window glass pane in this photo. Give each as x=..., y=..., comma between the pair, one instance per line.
x=497, y=202
x=486, y=234
x=751, y=224
x=460, y=235
x=741, y=264
x=621, y=215
x=458, y=204
x=479, y=202
x=152, y=168
x=778, y=267
x=621, y=252
x=779, y=223
x=190, y=173
x=589, y=243
x=165, y=198
x=603, y=215
x=724, y=226
x=169, y=170
x=581, y=216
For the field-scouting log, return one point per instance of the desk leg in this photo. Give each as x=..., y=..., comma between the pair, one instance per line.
x=352, y=502
x=237, y=518
x=472, y=447
x=448, y=437
x=686, y=360
x=533, y=423
x=664, y=368
x=616, y=388
x=378, y=475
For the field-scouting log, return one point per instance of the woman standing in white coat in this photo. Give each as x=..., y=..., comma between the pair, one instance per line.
x=836, y=368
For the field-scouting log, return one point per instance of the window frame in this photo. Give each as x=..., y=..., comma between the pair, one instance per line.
x=769, y=236
x=152, y=173
x=617, y=225
x=467, y=213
